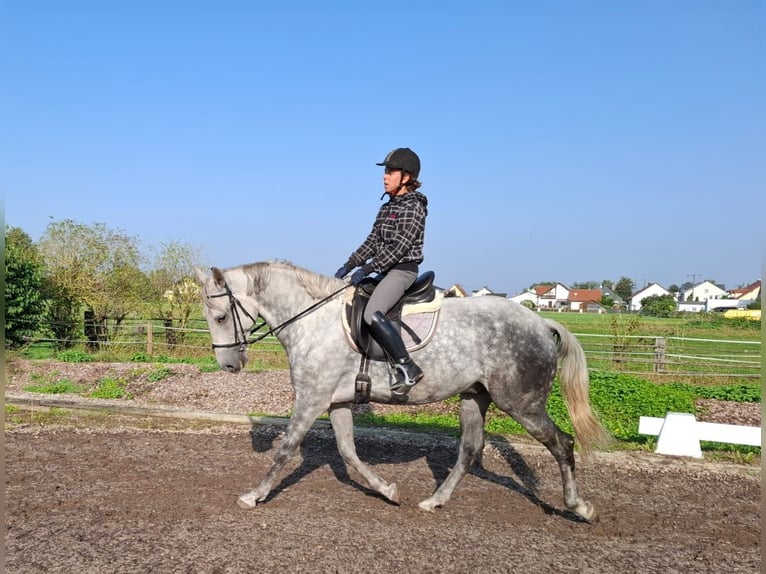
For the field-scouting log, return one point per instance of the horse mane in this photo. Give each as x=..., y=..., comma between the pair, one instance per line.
x=316, y=286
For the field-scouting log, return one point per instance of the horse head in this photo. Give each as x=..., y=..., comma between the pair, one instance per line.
x=228, y=318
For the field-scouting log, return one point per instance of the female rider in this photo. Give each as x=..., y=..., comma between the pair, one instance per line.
x=393, y=249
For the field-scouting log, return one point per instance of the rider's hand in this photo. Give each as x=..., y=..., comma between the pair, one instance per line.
x=342, y=272
x=358, y=276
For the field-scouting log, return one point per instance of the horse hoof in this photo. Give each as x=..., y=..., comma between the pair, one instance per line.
x=393, y=493
x=247, y=501
x=588, y=512
x=428, y=505
x=594, y=516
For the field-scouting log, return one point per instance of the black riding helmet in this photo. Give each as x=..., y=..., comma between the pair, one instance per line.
x=405, y=159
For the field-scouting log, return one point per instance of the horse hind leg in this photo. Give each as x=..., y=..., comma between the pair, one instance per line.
x=561, y=446
x=473, y=408
x=343, y=426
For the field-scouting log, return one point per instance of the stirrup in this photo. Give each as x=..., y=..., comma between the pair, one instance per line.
x=401, y=386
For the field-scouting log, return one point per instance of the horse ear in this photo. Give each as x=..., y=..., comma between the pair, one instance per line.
x=220, y=282
x=201, y=277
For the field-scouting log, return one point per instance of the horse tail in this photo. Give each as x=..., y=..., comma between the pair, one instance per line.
x=575, y=381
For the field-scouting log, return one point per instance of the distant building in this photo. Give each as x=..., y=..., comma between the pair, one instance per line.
x=552, y=296
x=648, y=291
x=703, y=291
x=585, y=300
x=528, y=295
x=750, y=292
x=487, y=291
x=456, y=291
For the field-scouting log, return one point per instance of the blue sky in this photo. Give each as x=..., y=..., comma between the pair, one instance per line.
x=560, y=141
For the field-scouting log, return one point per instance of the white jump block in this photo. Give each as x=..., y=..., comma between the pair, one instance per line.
x=680, y=434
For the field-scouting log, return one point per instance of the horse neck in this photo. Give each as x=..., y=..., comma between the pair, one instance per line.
x=277, y=295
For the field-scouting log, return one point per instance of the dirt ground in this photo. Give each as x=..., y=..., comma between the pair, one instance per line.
x=96, y=494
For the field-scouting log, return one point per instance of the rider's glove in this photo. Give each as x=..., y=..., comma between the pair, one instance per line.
x=358, y=276
x=342, y=272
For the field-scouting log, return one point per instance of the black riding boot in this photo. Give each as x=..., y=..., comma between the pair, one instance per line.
x=407, y=372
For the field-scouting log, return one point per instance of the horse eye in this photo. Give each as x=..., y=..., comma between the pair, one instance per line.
x=220, y=319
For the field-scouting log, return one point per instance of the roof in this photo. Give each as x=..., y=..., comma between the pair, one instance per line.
x=543, y=289
x=739, y=292
x=585, y=295
x=456, y=291
x=647, y=287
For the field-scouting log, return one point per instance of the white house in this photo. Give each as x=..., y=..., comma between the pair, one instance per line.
x=528, y=295
x=750, y=292
x=648, y=291
x=690, y=306
x=704, y=291
x=552, y=296
x=456, y=291
x=486, y=291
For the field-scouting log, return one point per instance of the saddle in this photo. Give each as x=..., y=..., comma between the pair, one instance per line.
x=419, y=298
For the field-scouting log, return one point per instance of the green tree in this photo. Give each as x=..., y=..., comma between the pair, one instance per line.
x=64, y=310
x=624, y=288
x=96, y=267
x=175, y=292
x=24, y=303
x=607, y=302
x=585, y=285
x=658, y=305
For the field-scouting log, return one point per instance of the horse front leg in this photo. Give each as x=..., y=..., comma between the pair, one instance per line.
x=300, y=422
x=473, y=409
x=343, y=425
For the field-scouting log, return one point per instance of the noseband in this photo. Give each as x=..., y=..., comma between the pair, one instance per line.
x=241, y=339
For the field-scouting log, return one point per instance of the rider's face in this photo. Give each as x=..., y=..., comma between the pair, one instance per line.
x=393, y=178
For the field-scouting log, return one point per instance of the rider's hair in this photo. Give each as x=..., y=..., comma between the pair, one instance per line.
x=412, y=184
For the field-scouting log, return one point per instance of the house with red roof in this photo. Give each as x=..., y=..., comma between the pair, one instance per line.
x=750, y=292
x=582, y=300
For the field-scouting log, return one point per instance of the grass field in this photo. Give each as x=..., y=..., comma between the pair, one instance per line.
x=704, y=326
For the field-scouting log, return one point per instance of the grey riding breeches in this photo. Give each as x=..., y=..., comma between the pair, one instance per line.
x=390, y=289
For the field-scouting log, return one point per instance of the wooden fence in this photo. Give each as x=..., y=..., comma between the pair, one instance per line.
x=658, y=358
x=673, y=357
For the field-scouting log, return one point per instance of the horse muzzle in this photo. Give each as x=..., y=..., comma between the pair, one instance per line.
x=231, y=360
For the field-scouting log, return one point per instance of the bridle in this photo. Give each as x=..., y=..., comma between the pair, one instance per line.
x=242, y=339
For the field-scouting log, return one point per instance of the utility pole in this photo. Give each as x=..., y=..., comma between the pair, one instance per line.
x=694, y=277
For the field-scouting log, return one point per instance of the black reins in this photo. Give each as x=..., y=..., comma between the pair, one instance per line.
x=240, y=338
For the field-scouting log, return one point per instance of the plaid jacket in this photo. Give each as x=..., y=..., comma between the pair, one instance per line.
x=396, y=236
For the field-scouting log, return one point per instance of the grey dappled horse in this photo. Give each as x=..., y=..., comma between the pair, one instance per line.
x=486, y=349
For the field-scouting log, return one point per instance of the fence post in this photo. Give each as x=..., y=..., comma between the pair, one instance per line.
x=660, y=346
x=149, y=340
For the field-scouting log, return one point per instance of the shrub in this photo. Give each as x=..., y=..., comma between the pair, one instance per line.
x=55, y=388
x=158, y=374
x=110, y=388
x=74, y=356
